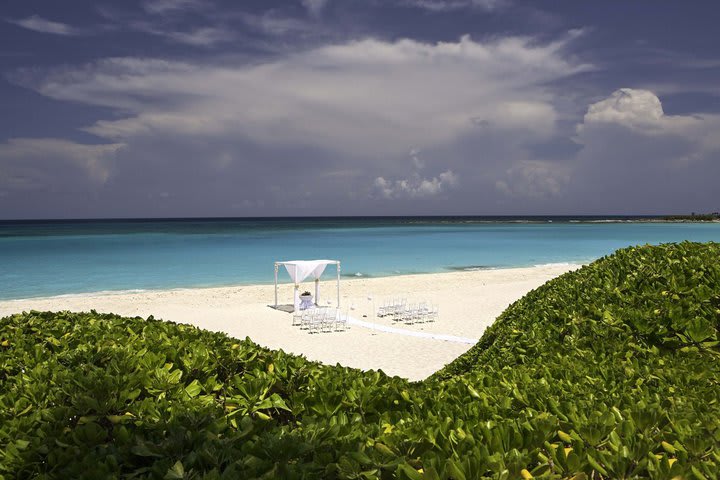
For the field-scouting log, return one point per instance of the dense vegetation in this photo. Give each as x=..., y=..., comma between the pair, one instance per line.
x=611, y=371
x=699, y=217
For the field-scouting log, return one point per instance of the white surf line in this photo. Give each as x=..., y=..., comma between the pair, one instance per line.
x=410, y=333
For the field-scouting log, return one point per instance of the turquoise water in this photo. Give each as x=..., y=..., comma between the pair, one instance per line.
x=52, y=258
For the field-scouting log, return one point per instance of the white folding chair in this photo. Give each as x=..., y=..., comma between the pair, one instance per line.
x=406, y=314
x=313, y=321
x=399, y=306
x=341, y=321
x=297, y=317
x=421, y=315
x=305, y=319
x=385, y=308
x=433, y=313
x=328, y=320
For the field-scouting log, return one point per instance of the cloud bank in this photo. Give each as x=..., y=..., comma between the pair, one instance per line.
x=634, y=154
x=365, y=126
x=369, y=96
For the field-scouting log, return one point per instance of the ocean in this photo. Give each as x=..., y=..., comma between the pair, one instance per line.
x=43, y=258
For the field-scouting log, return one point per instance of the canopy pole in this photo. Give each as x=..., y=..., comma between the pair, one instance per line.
x=276, y=272
x=338, y=284
x=317, y=291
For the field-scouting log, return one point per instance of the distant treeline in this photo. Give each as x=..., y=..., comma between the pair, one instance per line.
x=695, y=217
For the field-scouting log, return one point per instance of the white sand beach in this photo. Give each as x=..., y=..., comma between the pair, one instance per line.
x=468, y=301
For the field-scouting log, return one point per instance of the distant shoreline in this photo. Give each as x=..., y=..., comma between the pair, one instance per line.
x=395, y=220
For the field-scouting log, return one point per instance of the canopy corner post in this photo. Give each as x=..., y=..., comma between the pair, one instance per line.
x=276, y=275
x=317, y=291
x=338, y=283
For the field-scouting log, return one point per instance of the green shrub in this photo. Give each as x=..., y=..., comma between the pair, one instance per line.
x=611, y=371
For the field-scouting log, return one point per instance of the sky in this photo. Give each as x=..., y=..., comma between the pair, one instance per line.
x=219, y=108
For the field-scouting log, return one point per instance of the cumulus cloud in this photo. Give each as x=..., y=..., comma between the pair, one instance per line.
x=39, y=24
x=534, y=179
x=401, y=126
x=415, y=186
x=641, y=112
x=633, y=108
x=370, y=96
x=634, y=157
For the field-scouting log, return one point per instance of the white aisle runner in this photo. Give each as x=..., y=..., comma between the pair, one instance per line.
x=410, y=333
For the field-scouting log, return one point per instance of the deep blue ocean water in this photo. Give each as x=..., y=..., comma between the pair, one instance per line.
x=53, y=258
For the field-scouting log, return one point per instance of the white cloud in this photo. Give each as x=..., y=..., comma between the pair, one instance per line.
x=200, y=37
x=369, y=97
x=451, y=5
x=534, y=179
x=165, y=6
x=31, y=161
x=641, y=112
x=537, y=116
x=275, y=23
x=415, y=186
x=633, y=108
x=637, y=159
x=39, y=24
x=418, y=162
x=315, y=7
x=632, y=159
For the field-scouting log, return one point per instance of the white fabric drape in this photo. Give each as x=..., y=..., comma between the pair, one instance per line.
x=299, y=270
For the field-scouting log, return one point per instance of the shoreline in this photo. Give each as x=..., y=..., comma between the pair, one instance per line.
x=345, y=277
x=409, y=219
x=469, y=301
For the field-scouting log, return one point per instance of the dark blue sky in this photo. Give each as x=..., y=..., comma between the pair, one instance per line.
x=160, y=108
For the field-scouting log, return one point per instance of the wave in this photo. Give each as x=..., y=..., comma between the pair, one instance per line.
x=470, y=268
x=560, y=264
x=97, y=293
x=355, y=275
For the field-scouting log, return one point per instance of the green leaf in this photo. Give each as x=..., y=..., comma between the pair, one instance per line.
x=194, y=388
x=176, y=472
x=409, y=472
x=454, y=470
x=668, y=447
x=595, y=465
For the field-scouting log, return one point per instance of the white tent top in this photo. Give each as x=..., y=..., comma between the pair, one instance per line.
x=299, y=270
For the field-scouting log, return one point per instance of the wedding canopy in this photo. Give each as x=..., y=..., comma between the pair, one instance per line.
x=299, y=270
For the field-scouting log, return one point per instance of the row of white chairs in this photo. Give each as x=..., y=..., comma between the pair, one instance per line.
x=317, y=320
x=401, y=311
x=391, y=307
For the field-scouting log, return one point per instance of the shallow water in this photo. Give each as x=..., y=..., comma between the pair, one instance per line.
x=53, y=258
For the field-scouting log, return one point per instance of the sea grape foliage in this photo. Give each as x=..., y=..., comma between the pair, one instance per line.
x=611, y=371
